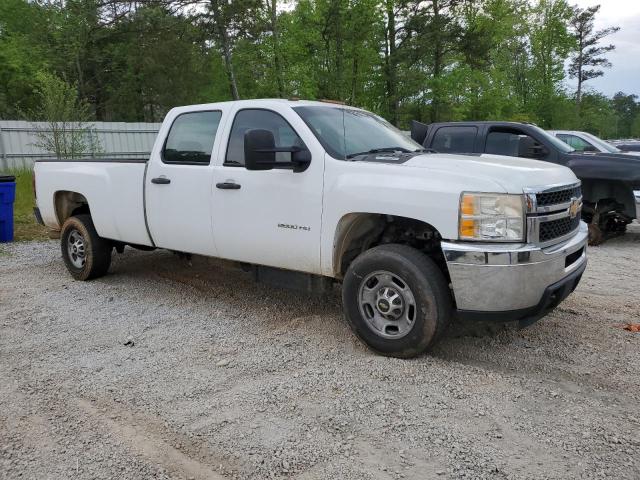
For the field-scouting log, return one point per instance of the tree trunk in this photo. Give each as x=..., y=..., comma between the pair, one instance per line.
x=580, y=67
x=277, y=61
x=339, y=88
x=390, y=63
x=220, y=29
x=354, y=81
x=228, y=63
x=437, y=66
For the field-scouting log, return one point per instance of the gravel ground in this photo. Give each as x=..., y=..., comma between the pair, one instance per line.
x=168, y=370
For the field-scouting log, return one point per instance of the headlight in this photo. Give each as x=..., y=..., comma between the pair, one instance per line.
x=490, y=216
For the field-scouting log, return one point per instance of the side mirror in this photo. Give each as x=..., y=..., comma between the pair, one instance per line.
x=260, y=152
x=529, y=148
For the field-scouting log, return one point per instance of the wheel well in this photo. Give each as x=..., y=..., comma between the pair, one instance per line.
x=68, y=204
x=596, y=191
x=358, y=232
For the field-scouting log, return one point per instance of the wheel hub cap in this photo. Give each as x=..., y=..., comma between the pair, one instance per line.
x=76, y=249
x=387, y=304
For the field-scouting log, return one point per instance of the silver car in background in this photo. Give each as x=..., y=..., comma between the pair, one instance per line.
x=586, y=142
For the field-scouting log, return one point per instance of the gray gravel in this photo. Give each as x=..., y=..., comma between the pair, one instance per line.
x=169, y=370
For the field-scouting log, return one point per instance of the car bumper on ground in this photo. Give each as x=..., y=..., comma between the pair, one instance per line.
x=504, y=282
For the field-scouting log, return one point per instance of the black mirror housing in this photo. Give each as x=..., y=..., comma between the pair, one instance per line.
x=260, y=152
x=259, y=146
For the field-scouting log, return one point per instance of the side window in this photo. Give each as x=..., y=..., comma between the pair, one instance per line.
x=191, y=137
x=502, y=143
x=576, y=142
x=454, y=139
x=250, y=119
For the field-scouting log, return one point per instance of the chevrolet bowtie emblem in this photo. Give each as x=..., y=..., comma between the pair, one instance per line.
x=574, y=208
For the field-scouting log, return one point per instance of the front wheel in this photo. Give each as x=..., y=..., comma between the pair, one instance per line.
x=85, y=254
x=396, y=300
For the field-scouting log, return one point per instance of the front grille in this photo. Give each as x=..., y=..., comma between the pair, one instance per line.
x=558, y=197
x=557, y=228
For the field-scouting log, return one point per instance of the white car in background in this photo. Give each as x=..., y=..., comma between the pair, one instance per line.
x=585, y=142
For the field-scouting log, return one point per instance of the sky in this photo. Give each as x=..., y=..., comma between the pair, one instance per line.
x=625, y=74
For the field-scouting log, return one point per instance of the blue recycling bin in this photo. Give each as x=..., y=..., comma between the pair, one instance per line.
x=7, y=198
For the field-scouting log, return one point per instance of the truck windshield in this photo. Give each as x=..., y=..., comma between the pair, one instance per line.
x=555, y=141
x=604, y=146
x=347, y=132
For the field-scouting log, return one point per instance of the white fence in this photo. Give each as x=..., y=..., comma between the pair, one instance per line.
x=117, y=140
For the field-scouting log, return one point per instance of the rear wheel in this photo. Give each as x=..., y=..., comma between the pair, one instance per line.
x=85, y=254
x=396, y=300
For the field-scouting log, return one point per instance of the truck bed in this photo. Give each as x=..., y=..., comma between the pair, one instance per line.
x=113, y=188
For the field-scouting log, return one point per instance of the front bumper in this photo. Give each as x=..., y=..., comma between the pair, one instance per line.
x=636, y=195
x=514, y=282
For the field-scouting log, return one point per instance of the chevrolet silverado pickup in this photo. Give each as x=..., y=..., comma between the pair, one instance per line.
x=310, y=194
x=610, y=181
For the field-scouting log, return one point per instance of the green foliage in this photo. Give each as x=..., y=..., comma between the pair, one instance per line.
x=63, y=130
x=431, y=60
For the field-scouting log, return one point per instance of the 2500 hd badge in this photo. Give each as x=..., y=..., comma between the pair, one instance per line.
x=294, y=227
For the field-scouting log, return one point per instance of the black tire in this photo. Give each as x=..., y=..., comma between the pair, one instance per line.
x=428, y=288
x=97, y=250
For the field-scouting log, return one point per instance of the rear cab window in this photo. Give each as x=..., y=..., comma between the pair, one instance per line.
x=455, y=139
x=191, y=137
x=503, y=142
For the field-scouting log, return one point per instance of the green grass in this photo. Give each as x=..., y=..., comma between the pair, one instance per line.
x=25, y=225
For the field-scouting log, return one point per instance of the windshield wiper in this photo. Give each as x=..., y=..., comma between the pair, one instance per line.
x=426, y=150
x=380, y=150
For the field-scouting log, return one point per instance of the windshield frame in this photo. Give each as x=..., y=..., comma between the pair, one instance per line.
x=405, y=141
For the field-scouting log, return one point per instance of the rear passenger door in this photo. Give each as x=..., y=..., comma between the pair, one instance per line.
x=178, y=184
x=455, y=139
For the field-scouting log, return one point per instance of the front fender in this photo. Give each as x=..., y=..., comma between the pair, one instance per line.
x=429, y=196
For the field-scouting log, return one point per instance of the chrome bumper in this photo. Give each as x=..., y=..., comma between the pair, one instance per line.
x=501, y=278
x=636, y=195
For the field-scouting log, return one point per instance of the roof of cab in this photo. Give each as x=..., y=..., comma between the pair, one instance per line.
x=266, y=102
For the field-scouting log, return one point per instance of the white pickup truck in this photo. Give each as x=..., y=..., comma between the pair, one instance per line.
x=313, y=193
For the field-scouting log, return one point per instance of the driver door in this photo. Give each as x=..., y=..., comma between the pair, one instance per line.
x=269, y=217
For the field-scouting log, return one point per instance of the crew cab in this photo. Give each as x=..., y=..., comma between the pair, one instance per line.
x=610, y=181
x=308, y=194
x=586, y=142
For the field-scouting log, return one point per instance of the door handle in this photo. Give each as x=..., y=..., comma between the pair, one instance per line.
x=160, y=180
x=228, y=186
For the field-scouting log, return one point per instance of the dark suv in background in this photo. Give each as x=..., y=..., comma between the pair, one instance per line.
x=610, y=182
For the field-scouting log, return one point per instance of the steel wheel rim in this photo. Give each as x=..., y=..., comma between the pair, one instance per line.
x=387, y=304
x=76, y=249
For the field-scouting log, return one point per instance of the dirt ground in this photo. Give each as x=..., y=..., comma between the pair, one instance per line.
x=168, y=370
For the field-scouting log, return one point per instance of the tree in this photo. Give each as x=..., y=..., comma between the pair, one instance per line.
x=627, y=110
x=550, y=44
x=64, y=132
x=231, y=20
x=24, y=31
x=588, y=61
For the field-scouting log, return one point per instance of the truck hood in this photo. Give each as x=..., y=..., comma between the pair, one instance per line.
x=614, y=157
x=606, y=166
x=513, y=174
